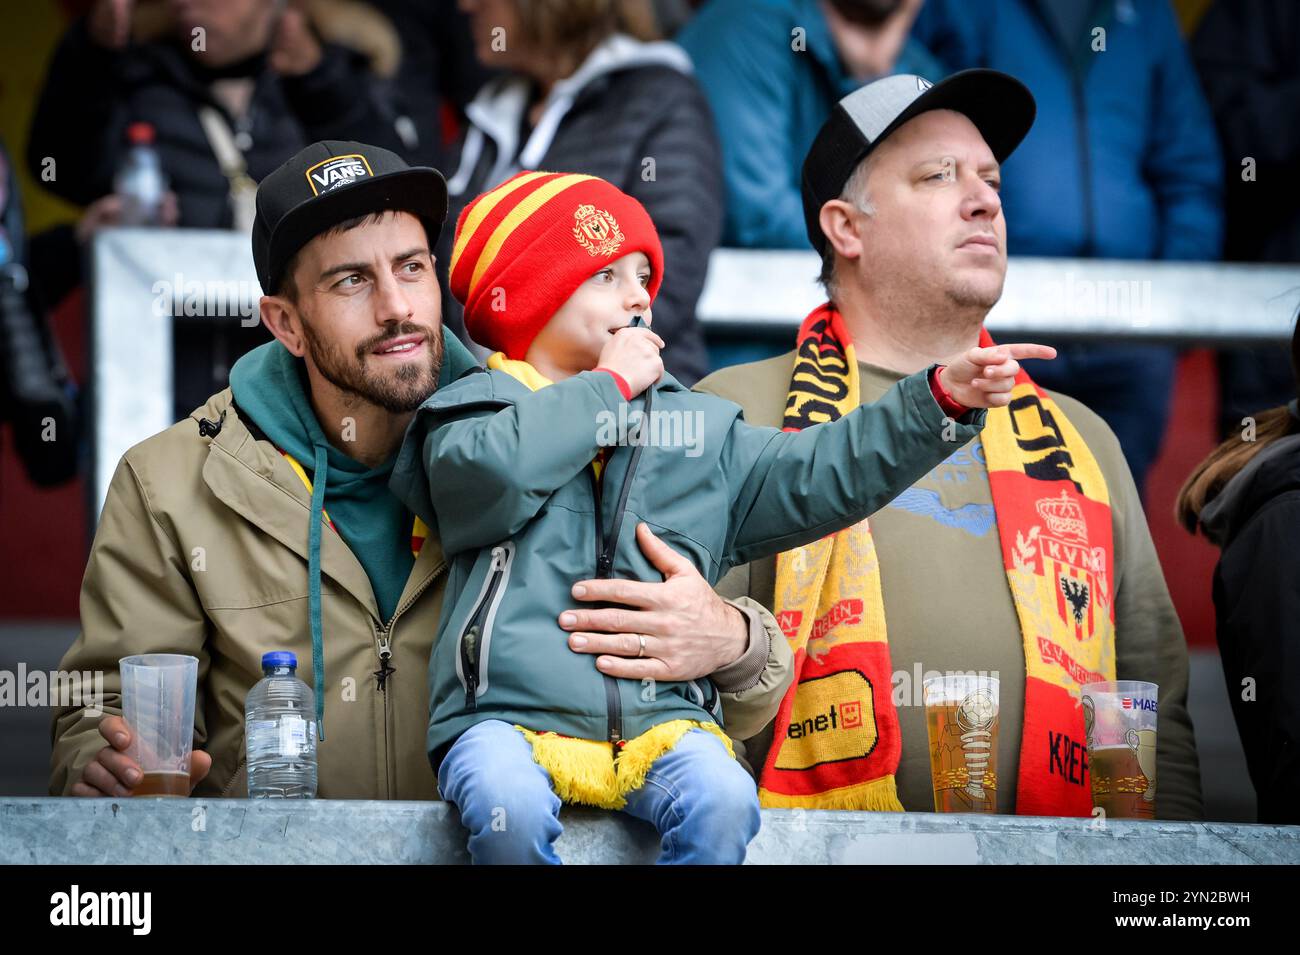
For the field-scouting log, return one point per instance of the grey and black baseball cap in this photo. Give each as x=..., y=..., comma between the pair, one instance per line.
x=330, y=182
x=1000, y=106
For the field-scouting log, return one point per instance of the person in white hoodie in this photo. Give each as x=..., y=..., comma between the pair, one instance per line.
x=585, y=88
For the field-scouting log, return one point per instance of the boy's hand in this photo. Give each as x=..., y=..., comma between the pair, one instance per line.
x=634, y=354
x=984, y=377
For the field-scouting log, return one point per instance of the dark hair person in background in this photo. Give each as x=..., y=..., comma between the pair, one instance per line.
x=1245, y=497
x=232, y=88
x=260, y=67
x=585, y=90
x=437, y=77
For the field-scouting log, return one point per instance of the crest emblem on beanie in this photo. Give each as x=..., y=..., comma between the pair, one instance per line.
x=597, y=231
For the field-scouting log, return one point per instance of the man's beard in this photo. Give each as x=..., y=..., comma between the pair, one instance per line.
x=401, y=391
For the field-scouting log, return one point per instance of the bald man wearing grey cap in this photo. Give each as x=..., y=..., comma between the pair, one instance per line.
x=1025, y=555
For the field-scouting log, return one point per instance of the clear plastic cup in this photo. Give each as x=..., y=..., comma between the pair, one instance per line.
x=1119, y=717
x=158, y=691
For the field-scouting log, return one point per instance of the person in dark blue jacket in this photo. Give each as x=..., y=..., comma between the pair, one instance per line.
x=1123, y=163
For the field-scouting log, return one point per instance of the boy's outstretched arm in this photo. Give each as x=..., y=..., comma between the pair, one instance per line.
x=790, y=488
x=479, y=473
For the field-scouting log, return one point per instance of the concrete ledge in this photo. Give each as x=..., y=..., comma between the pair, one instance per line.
x=150, y=831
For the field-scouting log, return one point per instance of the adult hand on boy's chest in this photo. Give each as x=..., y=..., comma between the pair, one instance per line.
x=688, y=630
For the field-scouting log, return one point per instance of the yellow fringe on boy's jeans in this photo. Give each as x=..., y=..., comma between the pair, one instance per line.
x=584, y=771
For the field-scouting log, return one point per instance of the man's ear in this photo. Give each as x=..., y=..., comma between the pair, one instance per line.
x=841, y=228
x=281, y=318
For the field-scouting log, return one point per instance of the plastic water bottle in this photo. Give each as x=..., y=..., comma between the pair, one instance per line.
x=280, y=732
x=140, y=180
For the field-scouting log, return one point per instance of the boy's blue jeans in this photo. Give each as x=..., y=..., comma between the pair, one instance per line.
x=699, y=798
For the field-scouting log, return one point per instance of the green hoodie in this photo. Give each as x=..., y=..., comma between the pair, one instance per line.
x=270, y=387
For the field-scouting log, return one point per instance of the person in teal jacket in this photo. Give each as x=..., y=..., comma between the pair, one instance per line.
x=772, y=71
x=541, y=468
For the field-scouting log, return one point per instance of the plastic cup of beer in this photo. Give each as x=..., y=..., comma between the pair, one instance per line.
x=158, y=691
x=1119, y=717
x=961, y=713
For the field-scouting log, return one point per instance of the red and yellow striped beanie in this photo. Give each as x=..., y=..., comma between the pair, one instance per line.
x=522, y=249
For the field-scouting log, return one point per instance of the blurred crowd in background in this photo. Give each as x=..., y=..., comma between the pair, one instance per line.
x=703, y=111
x=1168, y=135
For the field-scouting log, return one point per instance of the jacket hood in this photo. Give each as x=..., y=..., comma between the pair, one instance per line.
x=497, y=111
x=268, y=385
x=1273, y=471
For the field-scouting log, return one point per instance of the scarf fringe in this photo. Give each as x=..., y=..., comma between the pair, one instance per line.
x=639, y=754
x=874, y=795
x=584, y=772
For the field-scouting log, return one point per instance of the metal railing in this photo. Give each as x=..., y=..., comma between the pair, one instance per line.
x=145, y=280
x=147, y=831
x=1185, y=303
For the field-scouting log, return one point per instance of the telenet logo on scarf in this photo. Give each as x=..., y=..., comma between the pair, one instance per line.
x=833, y=719
x=337, y=171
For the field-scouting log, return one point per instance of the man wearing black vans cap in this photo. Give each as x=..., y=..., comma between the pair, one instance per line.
x=329, y=183
x=264, y=521
x=900, y=195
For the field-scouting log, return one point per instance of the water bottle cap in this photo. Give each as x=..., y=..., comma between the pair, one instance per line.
x=279, y=658
x=139, y=134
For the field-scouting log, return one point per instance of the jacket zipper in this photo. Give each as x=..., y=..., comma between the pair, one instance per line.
x=613, y=705
x=471, y=640
x=384, y=638
x=605, y=550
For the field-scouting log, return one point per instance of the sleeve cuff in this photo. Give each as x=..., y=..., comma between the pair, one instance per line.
x=619, y=380
x=747, y=669
x=950, y=405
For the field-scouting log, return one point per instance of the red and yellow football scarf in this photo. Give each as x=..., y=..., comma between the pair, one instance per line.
x=1054, y=524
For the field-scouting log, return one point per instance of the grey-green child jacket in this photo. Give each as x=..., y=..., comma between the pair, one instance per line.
x=505, y=476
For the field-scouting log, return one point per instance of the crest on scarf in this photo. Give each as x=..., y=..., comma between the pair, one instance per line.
x=597, y=231
x=1079, y=570
x=1059, y=550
